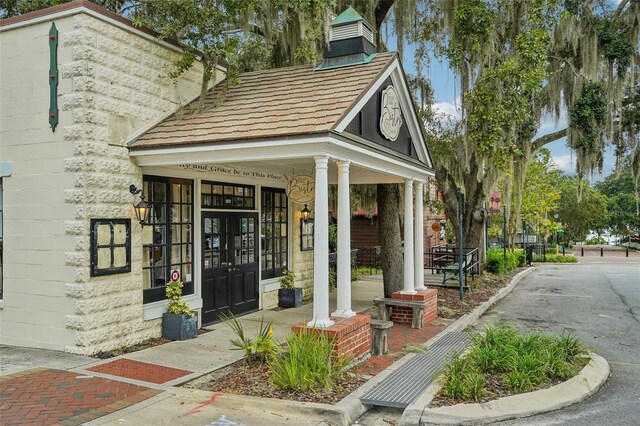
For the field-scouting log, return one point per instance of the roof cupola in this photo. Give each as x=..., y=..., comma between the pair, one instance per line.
x=351, y=41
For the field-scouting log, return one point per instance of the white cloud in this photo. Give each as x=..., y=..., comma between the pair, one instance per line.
x=565, y=163
x=448, y=109
x=548, y=123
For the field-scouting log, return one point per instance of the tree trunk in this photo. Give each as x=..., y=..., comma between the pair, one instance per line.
x=388, y=197
x=515, y=215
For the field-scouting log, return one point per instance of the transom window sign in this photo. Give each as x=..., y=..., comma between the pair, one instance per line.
x=110, y=246
x=219, y=195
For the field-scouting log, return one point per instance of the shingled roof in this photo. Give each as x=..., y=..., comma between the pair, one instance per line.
x=271, y=103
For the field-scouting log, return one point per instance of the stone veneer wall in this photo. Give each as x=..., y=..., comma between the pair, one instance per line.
x=112, y=85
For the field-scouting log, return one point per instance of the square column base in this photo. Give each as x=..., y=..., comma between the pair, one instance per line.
x=405, y=314
x=351, y=336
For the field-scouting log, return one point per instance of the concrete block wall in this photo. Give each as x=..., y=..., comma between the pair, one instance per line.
x=113, y=84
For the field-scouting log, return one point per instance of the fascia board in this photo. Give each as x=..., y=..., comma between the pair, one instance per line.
x=281, y=149
x=399, y=81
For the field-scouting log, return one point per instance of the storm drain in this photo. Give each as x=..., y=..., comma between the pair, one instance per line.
x=407, y=383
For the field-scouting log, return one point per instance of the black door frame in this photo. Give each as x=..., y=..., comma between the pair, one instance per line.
x=230, y=287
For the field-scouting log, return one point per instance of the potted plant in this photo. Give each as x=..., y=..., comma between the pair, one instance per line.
x=289, y=296
x=179, y=322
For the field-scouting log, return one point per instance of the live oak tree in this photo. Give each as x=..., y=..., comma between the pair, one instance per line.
x=542, y=193
x=581, y=214
x=514, y=61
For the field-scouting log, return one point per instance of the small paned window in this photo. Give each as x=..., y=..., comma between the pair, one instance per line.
x=168, y=238
x=218, y=195
x=306, y=234
x=110, y=246
x=273, y=230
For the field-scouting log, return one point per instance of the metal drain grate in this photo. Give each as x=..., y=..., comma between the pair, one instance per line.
x=407, y=383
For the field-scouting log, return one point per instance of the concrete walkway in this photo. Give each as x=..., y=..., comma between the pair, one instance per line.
x=140, y=388
x=74, y=384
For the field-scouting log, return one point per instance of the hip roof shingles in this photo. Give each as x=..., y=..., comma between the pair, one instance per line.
x=277, y=102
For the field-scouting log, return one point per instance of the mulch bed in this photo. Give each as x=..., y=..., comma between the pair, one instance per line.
x=138, y=347
x=241, y=378
x=482, y=288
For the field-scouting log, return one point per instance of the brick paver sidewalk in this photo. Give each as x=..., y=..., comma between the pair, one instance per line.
x=138, y=370
x=46, y=396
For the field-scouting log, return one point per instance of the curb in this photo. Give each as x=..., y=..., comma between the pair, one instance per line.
x=468, y=319
x=590, y=379
x=351, y=403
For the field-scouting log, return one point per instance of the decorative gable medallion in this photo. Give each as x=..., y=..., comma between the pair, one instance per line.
x=390, y=114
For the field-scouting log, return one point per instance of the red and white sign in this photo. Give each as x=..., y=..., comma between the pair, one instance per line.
x=175, y=275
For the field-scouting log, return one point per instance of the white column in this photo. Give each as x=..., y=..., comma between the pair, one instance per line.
x=419, y=236
x=343, y=281
x=408, y=238
x=321, y=247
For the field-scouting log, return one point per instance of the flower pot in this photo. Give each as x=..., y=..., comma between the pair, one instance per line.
x=179, y=327
x=290, y=297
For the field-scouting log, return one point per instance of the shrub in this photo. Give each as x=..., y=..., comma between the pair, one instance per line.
x=288, y=279
x=555, y=258
x=309, y=363
x=521, y=362
x=175, y=304
x=258, y=350
x=495, y=261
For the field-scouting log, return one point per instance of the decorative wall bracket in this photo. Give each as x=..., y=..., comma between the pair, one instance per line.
x=53, y=77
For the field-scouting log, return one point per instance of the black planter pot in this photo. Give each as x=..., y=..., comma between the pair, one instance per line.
x=179, y=327
x=290, y=297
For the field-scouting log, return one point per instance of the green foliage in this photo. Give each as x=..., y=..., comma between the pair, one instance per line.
x=288, y=279
x=595, y=241
x=584, y=214
x=623, y=199
x=202, y=29
x=309, y=363
x=541, y=192
x=261, y=349
x=521, y=362
x=588, y=116
x=333, y=237
x=175, y=304
x=495, y=261
x=555, y=258
x=614, y=38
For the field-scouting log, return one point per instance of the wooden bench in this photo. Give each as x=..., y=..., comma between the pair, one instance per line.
x=454, y=269
x=385, y=304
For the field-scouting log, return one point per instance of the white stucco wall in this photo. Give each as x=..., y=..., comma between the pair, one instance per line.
x=112, y=86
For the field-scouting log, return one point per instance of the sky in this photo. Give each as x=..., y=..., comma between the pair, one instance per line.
x=444, y=84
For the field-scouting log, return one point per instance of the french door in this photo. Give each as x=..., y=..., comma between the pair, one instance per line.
x=230, y=267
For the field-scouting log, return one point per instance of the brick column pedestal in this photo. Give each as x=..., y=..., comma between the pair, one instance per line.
x=405, y=314
x=351, y=336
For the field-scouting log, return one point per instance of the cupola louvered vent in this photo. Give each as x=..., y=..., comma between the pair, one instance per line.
x=350, y=41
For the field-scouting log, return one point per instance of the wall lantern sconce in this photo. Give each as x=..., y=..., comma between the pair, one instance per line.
x=305, y=213
x=142, y=209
